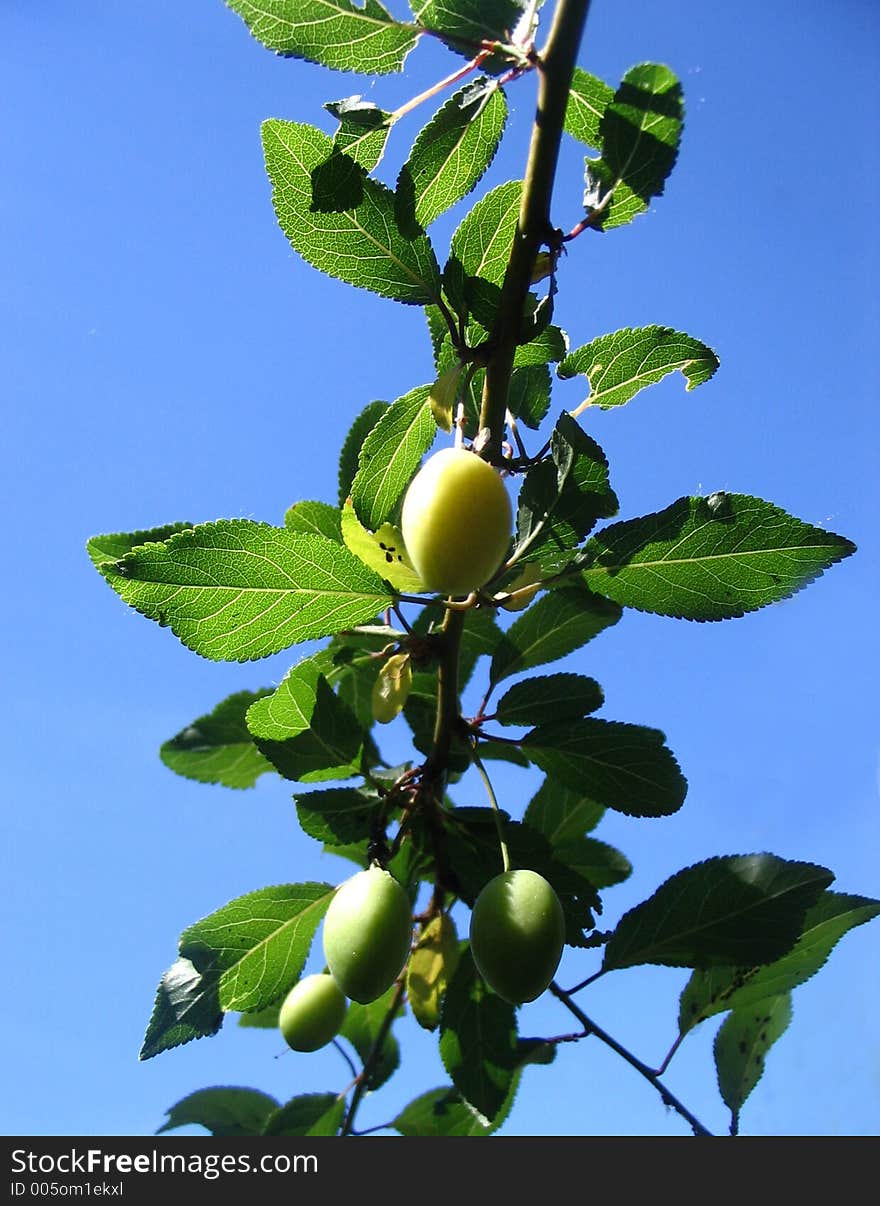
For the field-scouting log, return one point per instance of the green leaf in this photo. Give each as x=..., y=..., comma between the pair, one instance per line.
x=481, y=248
x=470, y=21
x=739, y=909
x=237, y=590
x=262, y=1019
x=709, y=558
x=218, y=748
x=110, y=548
x=340, y=34
x=187, y=1007
x=316, y=519
x=390, y=455
x=549, y=345
x=624, y=766
x=741, y=1047
x=363, y=130
x=620, y=365
x=450, y=154
x=562, y=497
x=442, y=1111
x=561, y=813
x=257, y=944
x=717, y=989
x=545, y=699
x=306, y=731
x=556, y=625
x=478, y=1040
x=588, y=98
x=362, y=246
x=383, y=551
x=444, y=394
x=308, y=1114
x=600, y=864
x=639, y=132
x=362, y=1026
x=430, y=968
x=351, y=448
x=338, y=815
x=223, y=1111
x=528, y=398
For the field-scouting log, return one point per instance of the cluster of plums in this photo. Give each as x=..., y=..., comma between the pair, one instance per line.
x=517, y=933
x=456, y=524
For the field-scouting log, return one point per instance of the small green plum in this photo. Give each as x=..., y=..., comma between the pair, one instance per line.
x=368, y=934
x=517, y=934
x=312, y=1012
x=456, y=521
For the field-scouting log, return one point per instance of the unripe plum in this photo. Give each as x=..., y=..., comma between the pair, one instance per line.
x=456, y=521
x=312, y=1012
x=517, y=934
x=367, y=934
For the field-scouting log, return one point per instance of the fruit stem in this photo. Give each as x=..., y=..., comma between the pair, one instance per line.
x=534, y=229
x=487, y=783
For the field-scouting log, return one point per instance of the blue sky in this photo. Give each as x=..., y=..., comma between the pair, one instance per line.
x=166, y=356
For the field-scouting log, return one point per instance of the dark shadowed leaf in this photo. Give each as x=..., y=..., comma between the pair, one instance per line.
x=478, y=1040
x=563, y=496
x=556, y=625
x=337, y=816
x=626, y=767
x=187, y=1007
x=739, y=909
x=717, y=989
x=561, y=813
x=545, y=699
x=475, y=858
x=218, y=748
x=223, y=1111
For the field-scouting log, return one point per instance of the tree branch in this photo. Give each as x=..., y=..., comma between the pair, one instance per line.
x=668, y=1098
x=556, y=67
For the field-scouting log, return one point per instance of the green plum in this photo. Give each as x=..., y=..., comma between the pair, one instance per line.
x=312, y=1012
x=367, y=934
x=456, y=521
x=517, y=934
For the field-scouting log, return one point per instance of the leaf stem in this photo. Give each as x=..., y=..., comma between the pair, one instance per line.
x=668, y=1098
x=447, y=82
